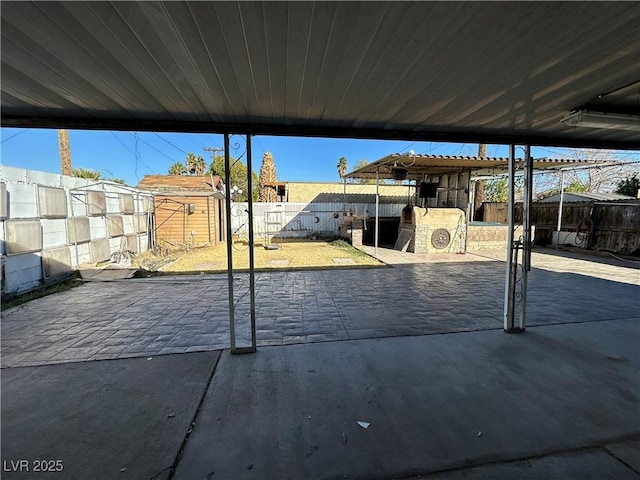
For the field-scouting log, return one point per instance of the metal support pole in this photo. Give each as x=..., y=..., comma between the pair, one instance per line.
x=512, y=293
x=227, y=176
x=469, y=215
x=377, y=210
x=527, y=205
x=75, y=230
x=252, y=279
x=136, y=225
x=510, y=275
x=560, y=208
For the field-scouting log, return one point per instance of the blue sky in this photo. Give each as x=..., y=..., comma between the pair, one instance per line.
x=131, y=155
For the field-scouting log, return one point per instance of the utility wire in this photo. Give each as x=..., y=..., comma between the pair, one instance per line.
x=167, y=141
x=196, y=143
x=137, y=158
x=123, y=144
x=151, y=146
x=260, y=143
x=14, y=135
x=408, y=146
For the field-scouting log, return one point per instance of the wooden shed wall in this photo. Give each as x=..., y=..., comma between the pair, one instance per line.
x=174, y=224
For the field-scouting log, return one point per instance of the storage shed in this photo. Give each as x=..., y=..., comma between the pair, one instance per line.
x=189, y=209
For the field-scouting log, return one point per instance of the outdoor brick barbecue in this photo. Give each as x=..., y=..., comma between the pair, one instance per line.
x=431, y=230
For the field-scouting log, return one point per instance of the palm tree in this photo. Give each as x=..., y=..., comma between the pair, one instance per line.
x=85, y=173
x=480, y=184
x=190, y=162
x=177, y=169
x=65, y=152
x=195, y=165
x=342, y=167
x=267, y=193
x=201, y=166
x=117, y=180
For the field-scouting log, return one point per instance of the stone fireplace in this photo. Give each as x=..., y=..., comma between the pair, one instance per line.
x=431, y=230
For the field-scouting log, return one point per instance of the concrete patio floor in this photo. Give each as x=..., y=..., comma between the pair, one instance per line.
x=559, y=402
x=105, y=379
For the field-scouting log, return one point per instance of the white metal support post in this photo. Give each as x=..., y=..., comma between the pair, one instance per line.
x=136, y=226
x=377, y=211
x=509, y=299
x=469, y=212
x=75, y=230
x=527, y=205
x=230, y=276
x=227, y=207
x=252, y=279
x=560, y=208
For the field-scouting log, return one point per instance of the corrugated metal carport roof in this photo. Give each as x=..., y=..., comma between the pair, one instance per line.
x=494, y=72
x=433, y=165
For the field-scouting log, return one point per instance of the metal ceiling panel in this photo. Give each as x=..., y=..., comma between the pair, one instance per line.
x=494, y=72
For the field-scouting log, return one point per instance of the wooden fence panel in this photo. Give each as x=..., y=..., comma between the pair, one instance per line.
x=610, y=226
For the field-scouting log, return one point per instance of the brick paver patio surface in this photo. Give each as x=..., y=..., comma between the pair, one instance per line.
x=146, y=317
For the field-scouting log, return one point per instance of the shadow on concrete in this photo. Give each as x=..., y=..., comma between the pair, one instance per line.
x=433, y=403
x=101, y=420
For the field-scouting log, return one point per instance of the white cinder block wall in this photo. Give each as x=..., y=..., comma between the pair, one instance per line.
x=51, y=223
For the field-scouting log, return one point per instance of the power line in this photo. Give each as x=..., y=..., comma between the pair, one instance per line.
x=123, y=144
x=136, y=156
x=14, y=135
x=198, y=144
x=261, y=145
x=167, y=141
x=408, y=146
x=148, y=144
x=214, y=141
x=430, y=149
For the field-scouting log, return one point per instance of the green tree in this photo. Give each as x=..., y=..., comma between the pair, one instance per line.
x=363, y=181
x=574, y=186
x=496, y=191
x=238, y=176
x=85, y=173
x=177, y=169
x=577, y=186
x=342, y=167
x=628, y=186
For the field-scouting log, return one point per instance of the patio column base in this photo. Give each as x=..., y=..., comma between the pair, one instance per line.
x=515, y=330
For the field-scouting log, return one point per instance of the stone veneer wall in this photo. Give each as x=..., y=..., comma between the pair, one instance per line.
x=490, y=237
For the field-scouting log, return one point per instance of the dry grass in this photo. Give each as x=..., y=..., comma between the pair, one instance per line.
x=9, y=301
x=299, y=253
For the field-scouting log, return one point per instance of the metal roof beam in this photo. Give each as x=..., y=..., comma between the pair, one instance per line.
x=453, y=135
